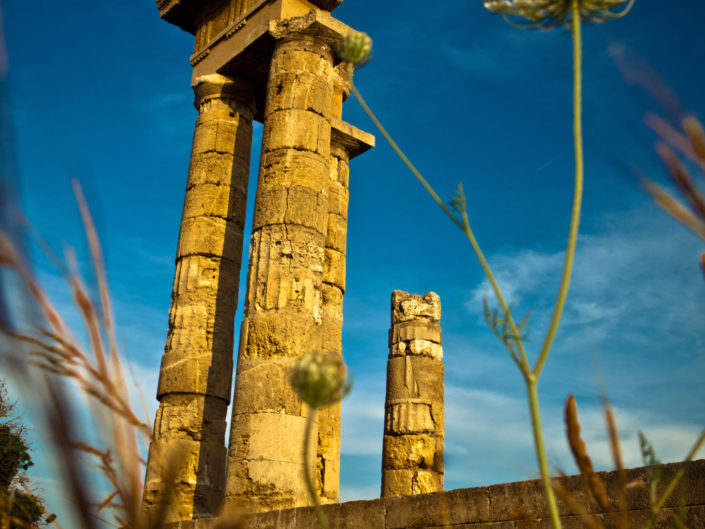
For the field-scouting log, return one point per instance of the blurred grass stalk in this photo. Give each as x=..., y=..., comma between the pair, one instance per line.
x=620, y=517
x=97, y=370
x=543, y=14
x=691, y=144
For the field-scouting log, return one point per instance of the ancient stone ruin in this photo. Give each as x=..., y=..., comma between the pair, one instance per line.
x=273, y=61
x=412, y=454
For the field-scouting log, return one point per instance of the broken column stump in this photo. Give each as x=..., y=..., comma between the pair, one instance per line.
x=412, y=453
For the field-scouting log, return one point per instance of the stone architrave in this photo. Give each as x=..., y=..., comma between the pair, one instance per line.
x=186, y=465
x=412, y=453
x=347, y=142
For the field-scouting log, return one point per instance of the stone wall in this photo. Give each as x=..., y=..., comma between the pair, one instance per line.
x=517, y=505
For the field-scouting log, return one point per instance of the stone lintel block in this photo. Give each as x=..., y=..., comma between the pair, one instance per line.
x=409, y=307
x=414, y=330
x=221, y=201
x=410, y=377
x=297, y=129
x=259, y=439
x=400, y=482
x=316, y=24
x=200, y=374
x=298, y=90
x=338, y=198
x=210, y=236
x=408, y=452
x=222, y=169
x=264, y=387
x=287, y=167
x=334, y=268
x=352, y=139
x=417, y=348
x=431, y=510
x=337, y=232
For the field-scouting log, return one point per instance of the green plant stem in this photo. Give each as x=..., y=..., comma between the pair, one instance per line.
x=307, y=473
x=523, y=363
x=532, y=391
x=403, y=157
x=674, y=482
x=577, y=194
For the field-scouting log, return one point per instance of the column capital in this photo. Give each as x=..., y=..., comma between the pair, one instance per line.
x=351, y=139
x=237, y=92
x=315, y=24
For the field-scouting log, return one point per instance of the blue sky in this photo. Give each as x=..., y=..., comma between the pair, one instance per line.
x=99, y=91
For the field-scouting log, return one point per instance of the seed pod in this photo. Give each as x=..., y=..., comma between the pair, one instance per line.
x=320, y=379
x=355, y=48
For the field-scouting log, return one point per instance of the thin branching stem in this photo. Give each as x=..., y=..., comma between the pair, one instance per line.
x=577, y=194
x=534, y=409
x=523, y=363
x=406, y=161
x=307, y=471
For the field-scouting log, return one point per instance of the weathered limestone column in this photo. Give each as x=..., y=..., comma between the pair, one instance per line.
x=196, y=372
x=412, y=454
x=346, y=143
x=283, y=304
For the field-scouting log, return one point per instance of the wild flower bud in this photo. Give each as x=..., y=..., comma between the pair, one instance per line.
x=355, y=48
x=320, y=379
x=547, y=14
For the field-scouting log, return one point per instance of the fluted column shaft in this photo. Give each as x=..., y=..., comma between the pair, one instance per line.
x=187, y=456
x=283, y=303
x=412, y=452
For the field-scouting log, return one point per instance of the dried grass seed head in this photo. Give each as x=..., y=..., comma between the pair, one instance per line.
x=548, y=14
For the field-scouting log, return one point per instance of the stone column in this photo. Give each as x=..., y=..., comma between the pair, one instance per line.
x=412, y=454
x=283, y=303
x=346, y=143
x=186, y=466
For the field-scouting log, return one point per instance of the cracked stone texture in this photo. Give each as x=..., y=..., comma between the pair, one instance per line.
x=194, y=380
x=283, y=307
x=412, y=449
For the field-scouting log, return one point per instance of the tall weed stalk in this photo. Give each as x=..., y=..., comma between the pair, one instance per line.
x=97, y=370
x=543, y=14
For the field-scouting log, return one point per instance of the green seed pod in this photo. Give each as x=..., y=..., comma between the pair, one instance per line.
x=355, y=48
x=320, y=379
